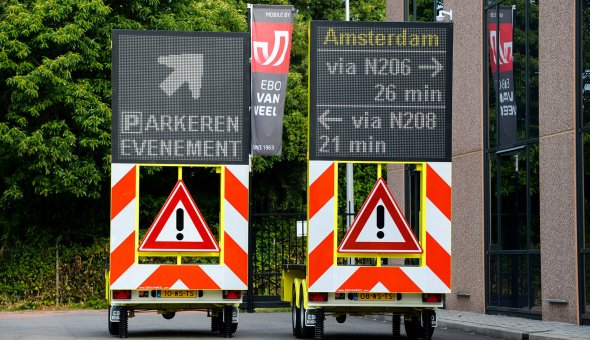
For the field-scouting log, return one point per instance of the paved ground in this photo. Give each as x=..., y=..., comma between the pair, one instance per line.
x=92, y=325
x=508, y=327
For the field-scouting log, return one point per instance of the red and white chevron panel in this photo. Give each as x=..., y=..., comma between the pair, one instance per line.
x=432, y=276
x=126, y=273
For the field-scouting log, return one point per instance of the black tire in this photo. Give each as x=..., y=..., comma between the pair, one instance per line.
x=428, y=330
x=341, y=318
x=226, y=330
x=414, y=328
x=307, y=332
x=113, y=326
x=295, y=314
x=123, y=322
x=219, y=320
x=168, y=315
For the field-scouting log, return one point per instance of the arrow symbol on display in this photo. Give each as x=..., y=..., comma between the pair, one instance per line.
x=323, y=119
x=188, y=68
x=437, y=67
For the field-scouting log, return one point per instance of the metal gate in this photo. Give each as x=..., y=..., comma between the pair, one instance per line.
x=276, y=238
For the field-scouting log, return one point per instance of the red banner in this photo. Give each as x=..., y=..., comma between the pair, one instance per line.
x=271, y=29
x=500, y=40
x=271, y=47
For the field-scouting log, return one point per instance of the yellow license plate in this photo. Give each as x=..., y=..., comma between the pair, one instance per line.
x=179, y=294
x=376, y=296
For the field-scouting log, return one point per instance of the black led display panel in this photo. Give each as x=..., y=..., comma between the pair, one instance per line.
x=180, y=97
x=380, y=91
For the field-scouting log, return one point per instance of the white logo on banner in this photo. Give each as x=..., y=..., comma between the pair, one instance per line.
x=263, y=45
x=505, y=48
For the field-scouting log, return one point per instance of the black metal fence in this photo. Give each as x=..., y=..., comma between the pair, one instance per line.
x=276, y=238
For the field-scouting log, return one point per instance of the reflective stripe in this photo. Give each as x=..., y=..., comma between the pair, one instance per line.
x=126, y=274
x=434, y=276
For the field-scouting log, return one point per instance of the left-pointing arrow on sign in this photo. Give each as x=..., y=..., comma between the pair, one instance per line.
x=324, y=120
x=188, y=68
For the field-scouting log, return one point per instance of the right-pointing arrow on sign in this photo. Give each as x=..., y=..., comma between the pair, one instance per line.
x=437, y=67
x=324, y=119
x=188, y=68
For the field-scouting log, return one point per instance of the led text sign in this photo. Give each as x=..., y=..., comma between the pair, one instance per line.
x=380, y=91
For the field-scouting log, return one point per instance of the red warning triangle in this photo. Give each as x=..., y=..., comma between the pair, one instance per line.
x=179, y=226
x=380, y=227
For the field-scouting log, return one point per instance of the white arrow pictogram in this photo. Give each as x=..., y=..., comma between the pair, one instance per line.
x=437, y=67
x=188, y=68
x=323, y=119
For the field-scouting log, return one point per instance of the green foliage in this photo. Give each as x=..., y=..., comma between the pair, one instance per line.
x=424, y=10
x=365, y=176
x=29, y=277
x=55, y=117
x=55, y=133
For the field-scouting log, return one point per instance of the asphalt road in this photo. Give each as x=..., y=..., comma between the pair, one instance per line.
x=92, y=324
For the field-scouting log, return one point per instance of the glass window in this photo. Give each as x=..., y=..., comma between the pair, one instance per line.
x=515, y=281
x=513, y=72
x=423, y=10
x=514, y=269
x=585, y=135
x=586, y=62
x=587, y=286
x=584, y=142
x=535, y=280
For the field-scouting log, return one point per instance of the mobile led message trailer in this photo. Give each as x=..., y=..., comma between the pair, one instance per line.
x=380, y=91
x=180, y=97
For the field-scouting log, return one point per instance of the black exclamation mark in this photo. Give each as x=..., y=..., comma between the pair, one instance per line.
x=179, y=223
x=380, y=221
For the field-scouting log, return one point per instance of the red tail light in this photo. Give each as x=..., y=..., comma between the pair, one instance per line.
x=232, y=294
x=431, y=297
x=318, y=296
x=121, y=294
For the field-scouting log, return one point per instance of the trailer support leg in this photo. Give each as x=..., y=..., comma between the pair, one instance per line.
x=396, y=325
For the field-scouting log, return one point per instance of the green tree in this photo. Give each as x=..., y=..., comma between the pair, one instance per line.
x=55, y=95
x=55, y=66
x=55, y=129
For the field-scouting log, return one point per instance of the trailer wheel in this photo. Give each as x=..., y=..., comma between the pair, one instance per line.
x=416, y=329
x=226, y=329
x=412, y=326
x=428, y=330
x=168, y=315
x=295, y=315
x=219, y=318
x=341, y=318
x=123, y=322
x=113, y=326
x=307, y=332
